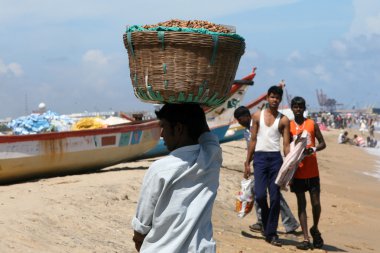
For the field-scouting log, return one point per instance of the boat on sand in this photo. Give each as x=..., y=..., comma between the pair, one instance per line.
x=57, y=153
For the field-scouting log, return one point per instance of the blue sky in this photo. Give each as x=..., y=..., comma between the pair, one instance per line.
x=70, y=54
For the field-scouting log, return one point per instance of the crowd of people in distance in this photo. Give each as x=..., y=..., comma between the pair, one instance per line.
x=357, y=140
x=336, y=120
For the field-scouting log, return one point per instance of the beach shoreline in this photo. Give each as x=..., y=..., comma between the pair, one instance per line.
x=92, y=212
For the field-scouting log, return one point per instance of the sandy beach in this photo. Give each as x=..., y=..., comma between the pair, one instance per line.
x=92, y=212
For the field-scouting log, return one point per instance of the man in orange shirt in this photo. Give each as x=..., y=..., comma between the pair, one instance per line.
x=306, y=178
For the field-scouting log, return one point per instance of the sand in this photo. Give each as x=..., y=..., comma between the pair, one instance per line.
x=92, y=212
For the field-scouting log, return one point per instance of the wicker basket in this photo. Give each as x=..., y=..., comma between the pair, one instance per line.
x=182, y=67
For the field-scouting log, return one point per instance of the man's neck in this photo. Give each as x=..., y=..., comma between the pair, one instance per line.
x=299, y=120
x=273, y=110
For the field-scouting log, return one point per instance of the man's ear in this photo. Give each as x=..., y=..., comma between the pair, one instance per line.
x=179, y=128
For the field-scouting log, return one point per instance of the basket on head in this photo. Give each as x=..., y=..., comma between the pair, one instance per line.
x=182, y=66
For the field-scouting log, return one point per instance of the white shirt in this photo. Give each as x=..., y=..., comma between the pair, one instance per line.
x=177, y=197
x=247, y=134
x=341, y=138
x=268, y=138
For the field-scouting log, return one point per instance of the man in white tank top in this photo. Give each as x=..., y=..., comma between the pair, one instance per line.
x=290, y=223
x=264, y=149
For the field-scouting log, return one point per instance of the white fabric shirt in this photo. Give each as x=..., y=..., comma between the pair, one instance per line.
x=268, y=138
x=177, y=197
x=247, y=134
x=341, y=138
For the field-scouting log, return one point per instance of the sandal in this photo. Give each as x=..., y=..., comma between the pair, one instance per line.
x=304, y=245
x=275, y=241
x=257, y=227
x=317, y=238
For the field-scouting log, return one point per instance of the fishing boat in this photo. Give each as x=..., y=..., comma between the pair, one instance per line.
x=47, y=154
x=219, y=118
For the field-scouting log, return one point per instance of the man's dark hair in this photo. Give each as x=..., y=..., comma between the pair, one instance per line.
x=241, y=111
x=275, y=90
x=298, y=101
x=190, y=115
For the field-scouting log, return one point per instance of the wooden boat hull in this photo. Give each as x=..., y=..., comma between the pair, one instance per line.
x=23, y=157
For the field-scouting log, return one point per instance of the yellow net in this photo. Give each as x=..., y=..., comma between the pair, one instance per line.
x=88, y=123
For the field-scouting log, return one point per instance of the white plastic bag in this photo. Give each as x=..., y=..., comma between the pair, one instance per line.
x=244, y=199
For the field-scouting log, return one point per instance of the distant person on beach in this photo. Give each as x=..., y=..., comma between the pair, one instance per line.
x=268, y=126
x=306, y=177
x=371, y=129
x=178, y=191
x=371, y=142
x=343, y=138
x=358, y=141
x=363, y=126
x=243, y=116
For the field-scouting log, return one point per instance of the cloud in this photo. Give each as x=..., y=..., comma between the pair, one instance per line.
x=339, y=46
x=366, y=18
x=271, y=72
x=13, y=68
x=60, y=11
x=95, y=56
x=320, y=71
x=294, y=56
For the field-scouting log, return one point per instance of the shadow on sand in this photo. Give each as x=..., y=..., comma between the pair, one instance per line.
x=290, y=242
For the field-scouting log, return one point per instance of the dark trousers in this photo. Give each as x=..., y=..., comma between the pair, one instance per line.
x=266, y=166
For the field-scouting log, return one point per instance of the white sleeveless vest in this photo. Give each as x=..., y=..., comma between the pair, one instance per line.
x=268, y=138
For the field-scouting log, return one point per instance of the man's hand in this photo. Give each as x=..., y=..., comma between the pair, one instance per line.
x=138, y=239
x=247, y=170
x=309, y=151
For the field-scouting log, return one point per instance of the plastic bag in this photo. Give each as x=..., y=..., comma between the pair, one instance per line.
x=244, y=199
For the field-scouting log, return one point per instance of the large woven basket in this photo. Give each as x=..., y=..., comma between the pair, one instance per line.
x=182, y=67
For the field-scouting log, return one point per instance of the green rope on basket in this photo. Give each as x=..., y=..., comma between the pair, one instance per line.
x=213, y=98
x=164, y=68
x=156, y=96
x=215, y=39
x=166, y=83
x=200, y=91
x=129, y=39
x=138, y=28
x=159, y=96
x=161, y=38
x=189, y=98
x=181, y=97
x=143, y=94
x=171, y=99
x=204, y=95
x=221, y=101
x=204, y=100
x=150, y=92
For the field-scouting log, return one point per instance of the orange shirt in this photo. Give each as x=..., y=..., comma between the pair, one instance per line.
x=308, y=167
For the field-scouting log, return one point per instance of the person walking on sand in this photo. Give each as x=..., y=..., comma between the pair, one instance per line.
x=178, y=191
x=264, y=149
x=243, y=116
x=306, y=177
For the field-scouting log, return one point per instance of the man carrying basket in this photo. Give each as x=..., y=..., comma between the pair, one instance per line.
x=175, y=206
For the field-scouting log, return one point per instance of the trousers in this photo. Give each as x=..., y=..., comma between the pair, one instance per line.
x=266, y=167
x=289, y=222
